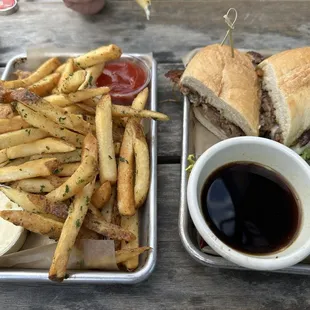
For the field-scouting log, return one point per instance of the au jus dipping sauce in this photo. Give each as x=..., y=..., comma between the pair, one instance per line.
x=250, y=208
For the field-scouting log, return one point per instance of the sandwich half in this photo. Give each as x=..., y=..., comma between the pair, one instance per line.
x=285, y=110
x=225, y=91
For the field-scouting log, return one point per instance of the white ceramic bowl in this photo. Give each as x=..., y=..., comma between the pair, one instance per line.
x=268, y=153
x=12, y=237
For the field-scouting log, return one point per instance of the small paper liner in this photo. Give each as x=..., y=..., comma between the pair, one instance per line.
x=86, y=254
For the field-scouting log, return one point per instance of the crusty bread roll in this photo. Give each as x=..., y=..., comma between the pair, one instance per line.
x=286, y=78
x=225, y=91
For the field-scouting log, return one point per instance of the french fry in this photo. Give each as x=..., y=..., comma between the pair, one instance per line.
x=21, y=136
x=82, y=176
x=142, y=166
x=19, y=161
x=146, y=6
x=125, y=184
x=12, y=124
x=91, y=103
x=66, y=170
x=132, y=223
x=70, y=232
x=44, y=86
x=102, y=195
x=116, y=219
x=6, y=111
x=63, y=100
x=47, y=145
x=76, y=182
x=92, y=74
x=68, y=68
x=34, y=222
x=140, y=101
x=107, y=210
x=117, y=148
x=22, y=198
x=32, y=169
x=62, y=158
x=54, y=113
x=39, y=185
x=55, y=130
x=45, y=69
x=40, y=224
x=107, y=162
x=97, y=56
x=55, y=209
x=67, y=120
x=87, y=109
x=122, y=111
x=3, y=157
x=36, y=203
x=93, y=210
x=73, y=82
x=90, y=119
x=20, y=74
x=99, y=225
x=86, y=233
x=129, y=254
x=74, y=109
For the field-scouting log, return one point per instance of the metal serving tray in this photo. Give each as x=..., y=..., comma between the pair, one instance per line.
x=148, y=214
x=187, y=230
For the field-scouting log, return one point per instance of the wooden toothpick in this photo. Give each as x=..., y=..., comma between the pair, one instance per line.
x=231, y=27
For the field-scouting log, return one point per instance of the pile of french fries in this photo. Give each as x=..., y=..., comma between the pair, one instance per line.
x=77, y=164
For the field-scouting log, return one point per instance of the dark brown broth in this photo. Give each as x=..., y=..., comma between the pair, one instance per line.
x=250, y=208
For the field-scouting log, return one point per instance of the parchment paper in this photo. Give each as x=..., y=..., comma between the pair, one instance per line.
x=86, y=254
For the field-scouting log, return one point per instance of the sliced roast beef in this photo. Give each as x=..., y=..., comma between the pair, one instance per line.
x=269, y=127
x=304, y=138
x=214, y=115
x=257, y=58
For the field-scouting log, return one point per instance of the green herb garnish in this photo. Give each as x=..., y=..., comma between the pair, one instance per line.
x=66, y=191
x=123, y=160
x=306, y=154
x=61, y=119
x=78, y=223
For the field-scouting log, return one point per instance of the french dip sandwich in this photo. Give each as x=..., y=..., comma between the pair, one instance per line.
x=285, y=110
x=250, y=95
x=225, y=91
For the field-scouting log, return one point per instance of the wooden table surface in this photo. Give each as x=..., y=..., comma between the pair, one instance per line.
x=175, y=28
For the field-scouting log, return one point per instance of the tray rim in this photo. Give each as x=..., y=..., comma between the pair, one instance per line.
x=184, y=216
x=105, y=277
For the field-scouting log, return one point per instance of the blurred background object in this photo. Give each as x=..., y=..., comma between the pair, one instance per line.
x=87, y=7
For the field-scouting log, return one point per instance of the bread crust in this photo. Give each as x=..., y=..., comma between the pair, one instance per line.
x=286, y=76
x=229, y=84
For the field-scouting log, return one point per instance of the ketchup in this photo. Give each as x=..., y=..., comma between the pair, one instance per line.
x=5, y=4
x=124, y=78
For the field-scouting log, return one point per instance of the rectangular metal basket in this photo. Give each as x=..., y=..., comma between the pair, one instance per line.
x=187, y=230
x=148, y=214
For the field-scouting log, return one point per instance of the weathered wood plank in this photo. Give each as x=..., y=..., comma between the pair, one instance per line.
x=177, y=282
x=169, y=102
x=175, y=27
